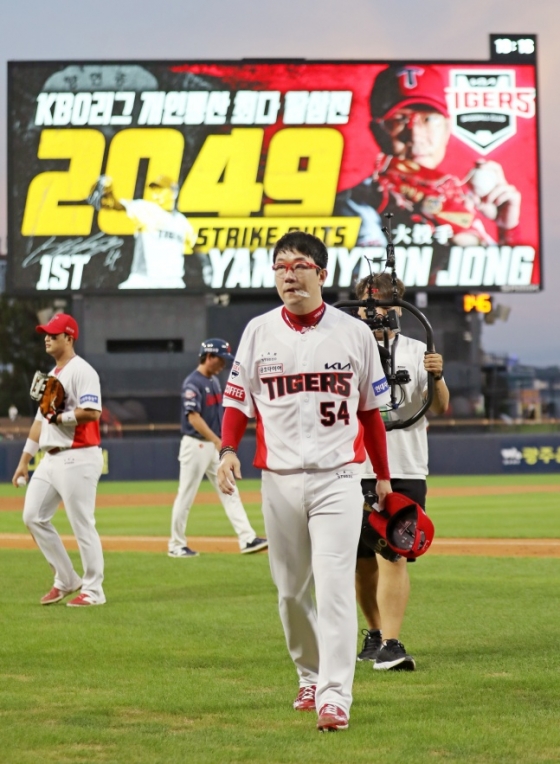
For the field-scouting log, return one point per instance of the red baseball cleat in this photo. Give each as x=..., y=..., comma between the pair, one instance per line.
x=55, y=595
x=82, y=600
x=305, y=700
x=332, y=718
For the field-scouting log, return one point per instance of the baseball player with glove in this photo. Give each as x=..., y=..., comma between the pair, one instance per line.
x=66, y=429
x=201, y=426
x=312, y=377
x=162, y=233
x=382, y=581
x=411, y=125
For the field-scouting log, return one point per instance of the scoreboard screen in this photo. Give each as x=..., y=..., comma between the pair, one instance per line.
x=183, y=175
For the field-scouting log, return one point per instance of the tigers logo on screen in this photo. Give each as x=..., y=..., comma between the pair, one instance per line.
x=484, y=105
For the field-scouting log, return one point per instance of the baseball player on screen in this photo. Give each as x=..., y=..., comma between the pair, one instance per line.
x=68, y=435
x=201, y=426
x=382, y=581
x=161, y=235
x=411, y=125
x=312, y=377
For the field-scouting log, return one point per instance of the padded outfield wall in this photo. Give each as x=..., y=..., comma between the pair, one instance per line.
x=474, y=454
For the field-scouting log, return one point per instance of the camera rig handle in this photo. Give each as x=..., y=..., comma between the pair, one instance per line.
x=385, y=324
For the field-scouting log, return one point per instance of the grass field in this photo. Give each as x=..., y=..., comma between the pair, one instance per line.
x=512, y=515
x=186, y=662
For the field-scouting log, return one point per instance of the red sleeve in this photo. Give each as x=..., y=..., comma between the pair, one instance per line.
x=375, y=441
x=233, y=427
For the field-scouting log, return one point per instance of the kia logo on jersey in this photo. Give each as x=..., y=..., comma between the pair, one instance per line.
x=337, y=365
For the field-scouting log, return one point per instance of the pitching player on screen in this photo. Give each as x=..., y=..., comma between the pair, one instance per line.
x=161, y=236
x=68, y=435
x=311, y=376
x=201, y=426
x=382, y=581
x=411, y=125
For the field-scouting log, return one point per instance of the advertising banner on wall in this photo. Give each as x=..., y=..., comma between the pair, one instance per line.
x=169, y=175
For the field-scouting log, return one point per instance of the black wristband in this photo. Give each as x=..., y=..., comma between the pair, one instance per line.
x=226, y=450
x=438, y=379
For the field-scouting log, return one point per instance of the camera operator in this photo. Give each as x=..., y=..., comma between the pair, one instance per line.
x=382, y=581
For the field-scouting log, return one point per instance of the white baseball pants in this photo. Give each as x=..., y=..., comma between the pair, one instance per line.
x=312, y=522
x=197, y=458
x=70, y=476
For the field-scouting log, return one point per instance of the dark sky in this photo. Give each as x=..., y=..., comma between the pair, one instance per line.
x=372, y=29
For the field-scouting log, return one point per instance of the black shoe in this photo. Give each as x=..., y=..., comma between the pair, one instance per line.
x=255, y=546
x=371, y=646
x=393, y=657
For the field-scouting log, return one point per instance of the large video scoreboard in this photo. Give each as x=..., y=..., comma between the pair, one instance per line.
x=205, y=165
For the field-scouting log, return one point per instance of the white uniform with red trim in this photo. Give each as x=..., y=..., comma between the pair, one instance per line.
x=159, y=251
x=70, y=473
x=305, y=389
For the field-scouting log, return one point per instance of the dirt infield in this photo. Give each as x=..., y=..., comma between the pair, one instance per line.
x=227, y=544
x=14, y=503
x=447, y=546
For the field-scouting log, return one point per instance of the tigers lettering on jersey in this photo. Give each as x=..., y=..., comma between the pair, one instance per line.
x=320, y=382
x=307, y=414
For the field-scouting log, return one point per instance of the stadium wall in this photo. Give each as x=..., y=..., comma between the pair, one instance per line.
x=474, y=454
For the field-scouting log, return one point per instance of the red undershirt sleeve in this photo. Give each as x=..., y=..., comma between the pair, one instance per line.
x=375, y=441
x=234, y=424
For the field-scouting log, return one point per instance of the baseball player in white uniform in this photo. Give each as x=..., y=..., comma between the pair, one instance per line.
x=201, y=426
x=162, y=235
x=69, y=471
x=382, y=580
x=312, y=378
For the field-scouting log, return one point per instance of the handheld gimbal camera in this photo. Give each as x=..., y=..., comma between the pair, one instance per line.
x=390, y=324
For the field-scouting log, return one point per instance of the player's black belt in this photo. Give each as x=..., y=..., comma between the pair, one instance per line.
x=54, y=451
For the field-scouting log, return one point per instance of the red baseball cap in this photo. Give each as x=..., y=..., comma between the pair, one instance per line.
x=412, y=84
x=406, y=527
x=61, y=323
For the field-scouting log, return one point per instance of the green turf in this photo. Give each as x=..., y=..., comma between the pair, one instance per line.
x=187, y=663
x=204, y=519
x=523, y=515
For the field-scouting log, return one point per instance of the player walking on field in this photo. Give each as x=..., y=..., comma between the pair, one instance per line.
x=68, y=434
x=310, y=375
x=201, y=425
x=382, y=580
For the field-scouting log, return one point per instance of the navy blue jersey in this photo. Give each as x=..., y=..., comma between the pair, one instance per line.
x=203, y=395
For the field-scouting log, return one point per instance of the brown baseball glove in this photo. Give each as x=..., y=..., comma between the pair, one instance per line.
x=52, y=400
x=429, y=194
x=102, y=196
